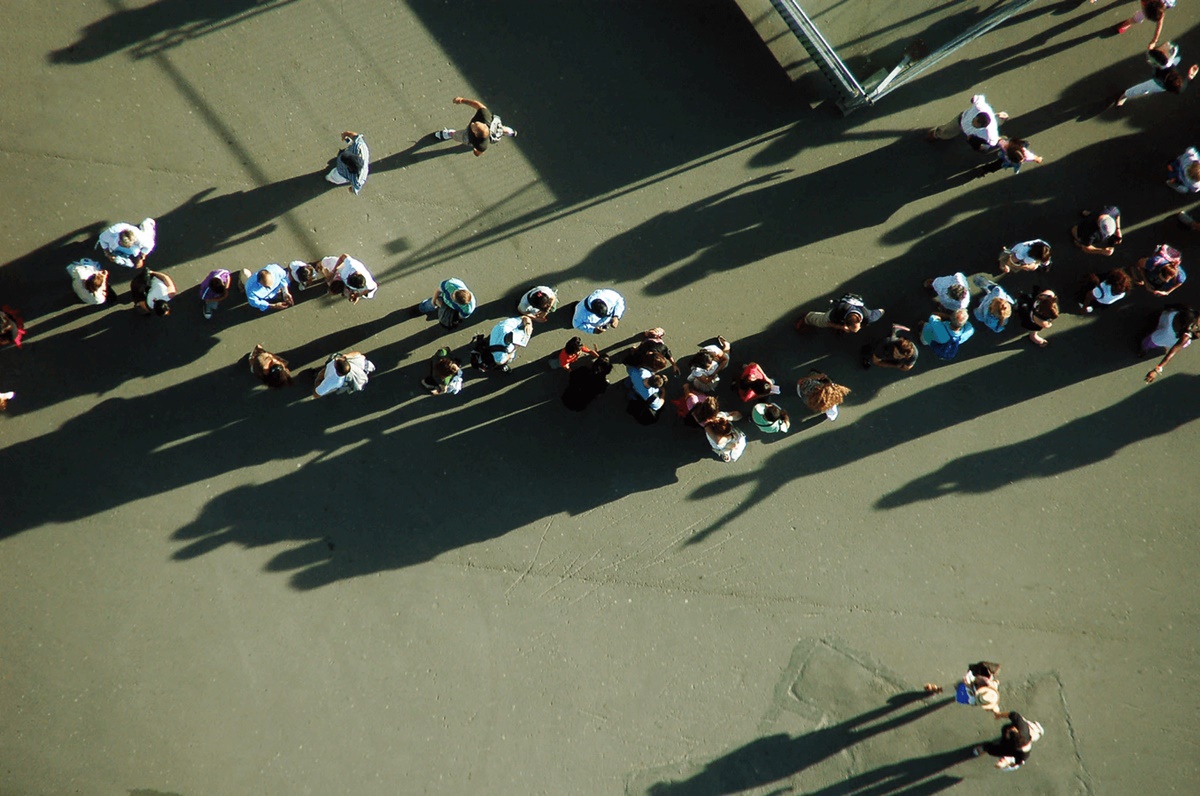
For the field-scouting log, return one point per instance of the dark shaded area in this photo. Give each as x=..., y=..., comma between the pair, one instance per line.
x=1084, y=441
x=622, y=100
x=773, y=758
x=156, y=27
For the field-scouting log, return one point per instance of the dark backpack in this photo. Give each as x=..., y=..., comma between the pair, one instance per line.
x=482, y=354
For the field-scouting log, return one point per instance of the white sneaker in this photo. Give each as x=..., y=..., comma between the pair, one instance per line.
x=445, y=134
x=7, y=396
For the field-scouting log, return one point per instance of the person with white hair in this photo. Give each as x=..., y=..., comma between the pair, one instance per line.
x=127, y=245
x=1100, y=232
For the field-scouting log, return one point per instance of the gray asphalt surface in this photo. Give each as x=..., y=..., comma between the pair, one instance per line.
x=208, y=588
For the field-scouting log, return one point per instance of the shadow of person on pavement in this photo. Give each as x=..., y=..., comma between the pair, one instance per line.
x=774, y=758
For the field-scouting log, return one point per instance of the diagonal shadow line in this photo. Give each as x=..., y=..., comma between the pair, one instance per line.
x=228, y=138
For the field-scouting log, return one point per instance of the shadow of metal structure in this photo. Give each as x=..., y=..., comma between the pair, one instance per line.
x=854, y=92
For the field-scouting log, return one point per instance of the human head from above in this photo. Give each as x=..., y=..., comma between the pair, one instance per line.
x=957, y=292
x=94, y=283
x=341, y=365
x=128, y=237
x=540, y=301
x=1040, y=252
x=356, y=281
x=599, y=306
x=959, y=319
x=461, y=297
x=216, y=287
x=981, y=120
x=720, y=426
x=266, y=278
x=1000, y=308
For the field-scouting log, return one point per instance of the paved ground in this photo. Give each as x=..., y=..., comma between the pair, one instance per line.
x=207, y=588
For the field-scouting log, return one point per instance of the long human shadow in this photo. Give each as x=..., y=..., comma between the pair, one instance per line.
x=1084, y=352
x=1084, y=441
x=159, y=26
x=773, y=758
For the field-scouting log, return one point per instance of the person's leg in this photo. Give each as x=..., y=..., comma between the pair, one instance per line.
x=336, y=178
x=1140, y=90
x=819, y=320
x=947, y=131
x=460, y=136
x=210, y=307
x=427, y=306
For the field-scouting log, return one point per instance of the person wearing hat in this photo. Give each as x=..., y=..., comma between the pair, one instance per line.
x=352, y=164
x=484, y=128
x=599, y=312
x=267, y=289
x=1098, y=233
x=127, y=245
x=507, y=336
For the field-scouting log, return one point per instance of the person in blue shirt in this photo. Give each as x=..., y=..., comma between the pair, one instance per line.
x=599, y=312
x=945, y=336
x=267, y=289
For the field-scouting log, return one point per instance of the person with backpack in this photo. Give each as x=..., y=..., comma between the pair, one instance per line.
x=847, y=314
x=501, y=345
x=445, y=374
x=352, y=163
x=344, y=373
x=1099, y=232
x=944, y=336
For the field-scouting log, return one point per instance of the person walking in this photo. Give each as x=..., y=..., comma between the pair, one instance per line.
x=350, y=278
x=344, y=373
x=538, y=303
x=1030, y=255
x=1153, y=10
x=1162, y=272
x=506, y=337
x=127, y=245
x=996, y=306
x=820, y=394
x=270, y=369
x=1016, y=739
x=1184, y=172
x=484, y=128
x=152, y=292
x=89, y=281
x=1167, y=77
x=1099, y=232
x=213, y=290
x=847, y=314
x=979, y=123
x=1037, y=312
x=897, y=351
x=352, y=164
x=1104, y=289
x=944, y=336
x=452, y=302
x=1177, y=327
x=600, y=311
x=950, y=292
x=267, y=289
x=1011, y=153
x=445, y=374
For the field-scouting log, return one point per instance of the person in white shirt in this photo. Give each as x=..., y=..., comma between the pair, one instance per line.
x=89, y=281
x=152, y=292
x=979, y=123
x=344, y=373
x=127, y=245
x=351, y=279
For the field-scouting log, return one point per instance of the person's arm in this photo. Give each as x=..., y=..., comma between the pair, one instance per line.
x=169, y=282
x=1031, y=157
x=1157, y=31
x=349, y=134
x=1158, y=369
x=476, y=104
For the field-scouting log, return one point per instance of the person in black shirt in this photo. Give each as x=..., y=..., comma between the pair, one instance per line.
x=1167, y=76
x=1016, y=739
x=483, y=129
